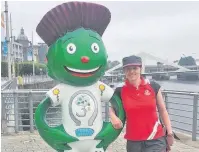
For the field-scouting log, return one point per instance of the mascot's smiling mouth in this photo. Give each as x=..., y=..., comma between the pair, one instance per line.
x=81, y=73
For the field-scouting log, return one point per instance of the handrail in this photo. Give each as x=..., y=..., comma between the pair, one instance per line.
x=26, y=91
x=45, y=90
x=4, y=86
x=180, y=92
x=174, y=100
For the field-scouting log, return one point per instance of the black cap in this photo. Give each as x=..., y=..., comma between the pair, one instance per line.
x=132, y=61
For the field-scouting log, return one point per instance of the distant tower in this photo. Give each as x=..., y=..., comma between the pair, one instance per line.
x=23, y=39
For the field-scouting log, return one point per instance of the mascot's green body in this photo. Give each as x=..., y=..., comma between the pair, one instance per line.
x=77, y=58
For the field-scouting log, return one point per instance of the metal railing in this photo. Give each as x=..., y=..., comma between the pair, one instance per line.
x=27, y=79
x=183, y=110
x=6, y=85
x=4, y=79
x=18, y=108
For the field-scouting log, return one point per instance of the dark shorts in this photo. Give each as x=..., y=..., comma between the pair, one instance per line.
x=156, y=145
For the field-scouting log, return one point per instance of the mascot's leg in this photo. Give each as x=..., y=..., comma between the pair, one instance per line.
x=108, y=133
x=85, y=146
x=95, y=149
x=56, y=137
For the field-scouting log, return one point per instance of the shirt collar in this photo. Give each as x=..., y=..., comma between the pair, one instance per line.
x=143, y=82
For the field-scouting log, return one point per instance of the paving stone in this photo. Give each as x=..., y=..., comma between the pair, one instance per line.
x=27, y=142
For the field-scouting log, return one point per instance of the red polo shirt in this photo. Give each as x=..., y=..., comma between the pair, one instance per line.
x=142, y=121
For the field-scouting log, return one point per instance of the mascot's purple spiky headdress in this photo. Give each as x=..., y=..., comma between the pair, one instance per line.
x=70, y=16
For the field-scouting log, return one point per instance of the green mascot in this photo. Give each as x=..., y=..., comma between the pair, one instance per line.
x=77, y=58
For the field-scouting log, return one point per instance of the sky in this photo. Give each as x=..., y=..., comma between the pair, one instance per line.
x=166, y=30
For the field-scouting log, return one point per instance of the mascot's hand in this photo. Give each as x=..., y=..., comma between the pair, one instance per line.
x=108, y=133
x=56, y=137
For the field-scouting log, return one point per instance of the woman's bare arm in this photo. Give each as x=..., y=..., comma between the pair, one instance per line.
x=163, y=112
x=116, y=122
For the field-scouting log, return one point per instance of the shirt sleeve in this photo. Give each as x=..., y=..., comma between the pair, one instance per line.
x=106, y=92
x=55, y=95
x=118, y=91
x=155, y=86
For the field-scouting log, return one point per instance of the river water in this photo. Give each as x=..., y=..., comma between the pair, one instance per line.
x=174, y=84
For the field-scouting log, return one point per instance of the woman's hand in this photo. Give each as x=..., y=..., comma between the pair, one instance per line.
x=168, y=148
x=170, y=139
x=116, y=122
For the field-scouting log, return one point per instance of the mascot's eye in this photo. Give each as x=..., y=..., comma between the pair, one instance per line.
x=95, y=47
x=71, y=48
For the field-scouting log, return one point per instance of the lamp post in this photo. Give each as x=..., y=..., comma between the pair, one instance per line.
x=8, y=40
x=33, y=65
x=11, y=49
x=32, y=53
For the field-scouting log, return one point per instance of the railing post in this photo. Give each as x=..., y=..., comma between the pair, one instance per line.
x=166, y=100
x=106, y=111
x=3, y=114
x=31, y=112
x=16, y=115
x=195, y=111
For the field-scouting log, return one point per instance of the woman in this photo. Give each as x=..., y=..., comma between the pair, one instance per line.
x=140, y=98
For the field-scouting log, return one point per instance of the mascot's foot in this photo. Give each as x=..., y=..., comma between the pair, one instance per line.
x=85, y=146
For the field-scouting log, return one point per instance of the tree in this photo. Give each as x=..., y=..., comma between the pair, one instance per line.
x=24, y=68
x=187, y=61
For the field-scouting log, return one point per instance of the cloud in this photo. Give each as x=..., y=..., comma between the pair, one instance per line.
x=165, y=36
x=164, y=29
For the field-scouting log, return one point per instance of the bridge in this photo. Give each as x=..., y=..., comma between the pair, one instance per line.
x=171, y=73
x=169, y=68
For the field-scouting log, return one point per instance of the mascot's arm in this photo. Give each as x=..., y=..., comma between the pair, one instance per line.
x=56, y=137
x=108, y=133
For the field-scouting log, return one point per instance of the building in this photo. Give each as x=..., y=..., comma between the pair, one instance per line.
x=23, y=39
x=42, y=51
x=17, y=52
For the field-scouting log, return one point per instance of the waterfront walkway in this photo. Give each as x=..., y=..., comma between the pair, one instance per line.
x=32, y=142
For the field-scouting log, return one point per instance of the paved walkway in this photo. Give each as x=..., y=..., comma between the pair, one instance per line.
x=27, y=142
